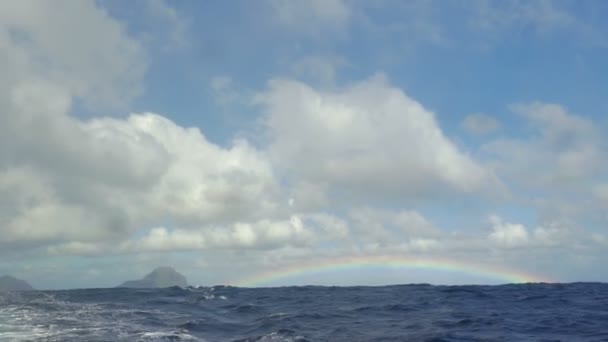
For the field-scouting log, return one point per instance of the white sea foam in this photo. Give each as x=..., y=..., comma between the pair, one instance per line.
x=278, y=336
x=46, y=318
x=166, y=336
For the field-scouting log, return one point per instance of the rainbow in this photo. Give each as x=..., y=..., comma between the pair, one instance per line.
x=498, y=273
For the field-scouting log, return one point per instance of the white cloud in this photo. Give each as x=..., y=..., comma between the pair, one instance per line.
x=223, y=90
x=261, y=234
x=205, y=182
x=73, y=45
x=541, y=16
x=540, y=13
x=390, y=227
x=312, y=17
x=52, y=56
x=320, y=69
x=122, y=174
x=556, y=234
x=297, y=231
x=508, y=235
x=424, y=245
x=309, y=196
x=77, y=184
x=76, y=248
x=365, y=230
x=368, y=137
x=144, y=184
x=600, y=191
x=563, y=151
x=480, y=124
x=555, y=123
x=556, y=164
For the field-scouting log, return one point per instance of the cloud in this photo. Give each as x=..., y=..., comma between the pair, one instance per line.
x=76, y=248
x=556, y=164
x=555, y=122
x=389, y=227
x=506, y=234
x=54, y=56
x=86, y=186
x=565, y=146
x=264, y=234
x=126, y=173
x=79, y=184
x=75, y=46
x=224, y=91
x=375, y=230
x=542, y=17
x=368, y=137
x=481, y=23
x=557, y=234
x=322, y=69
x=296, y=231
x=480, y=124
x=364, y=230
x=600, y=191
x=408, y=22
x=311, y=17
x=176, y=24
x=338, y=170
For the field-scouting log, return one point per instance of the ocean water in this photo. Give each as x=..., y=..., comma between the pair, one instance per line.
x=525, y=312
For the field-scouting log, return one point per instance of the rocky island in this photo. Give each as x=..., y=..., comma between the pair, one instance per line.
x=8, y=283
x=160, y=277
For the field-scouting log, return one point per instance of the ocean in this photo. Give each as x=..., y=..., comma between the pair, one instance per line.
x=518, y=312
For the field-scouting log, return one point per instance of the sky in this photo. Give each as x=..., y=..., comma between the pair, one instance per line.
x=276, y=142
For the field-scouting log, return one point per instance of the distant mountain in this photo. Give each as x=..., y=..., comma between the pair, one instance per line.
x=160, y=277
x=8, y=283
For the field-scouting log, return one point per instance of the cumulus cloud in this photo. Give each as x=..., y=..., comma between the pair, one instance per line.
x=368, y=137
x=506, y=234
x=548, y=234
x=124, y=173
x=85, y=186
x=74, y=45
x=73, y=182
x=261, y=234
x=296, y=231
x=319, y=182
x=480, y=124
x=47, y=65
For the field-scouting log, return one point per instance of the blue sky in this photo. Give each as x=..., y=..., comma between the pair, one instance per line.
x=230, y=138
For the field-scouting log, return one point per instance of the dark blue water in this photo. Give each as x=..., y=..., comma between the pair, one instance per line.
x=532, y=312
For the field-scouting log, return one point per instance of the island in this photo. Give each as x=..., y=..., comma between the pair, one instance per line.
x=8, y=283
x=160, y=277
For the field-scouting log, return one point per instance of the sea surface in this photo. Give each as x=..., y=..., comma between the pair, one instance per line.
x=525, y=312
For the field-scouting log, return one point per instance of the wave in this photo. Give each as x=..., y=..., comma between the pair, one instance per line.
x=392, y=313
